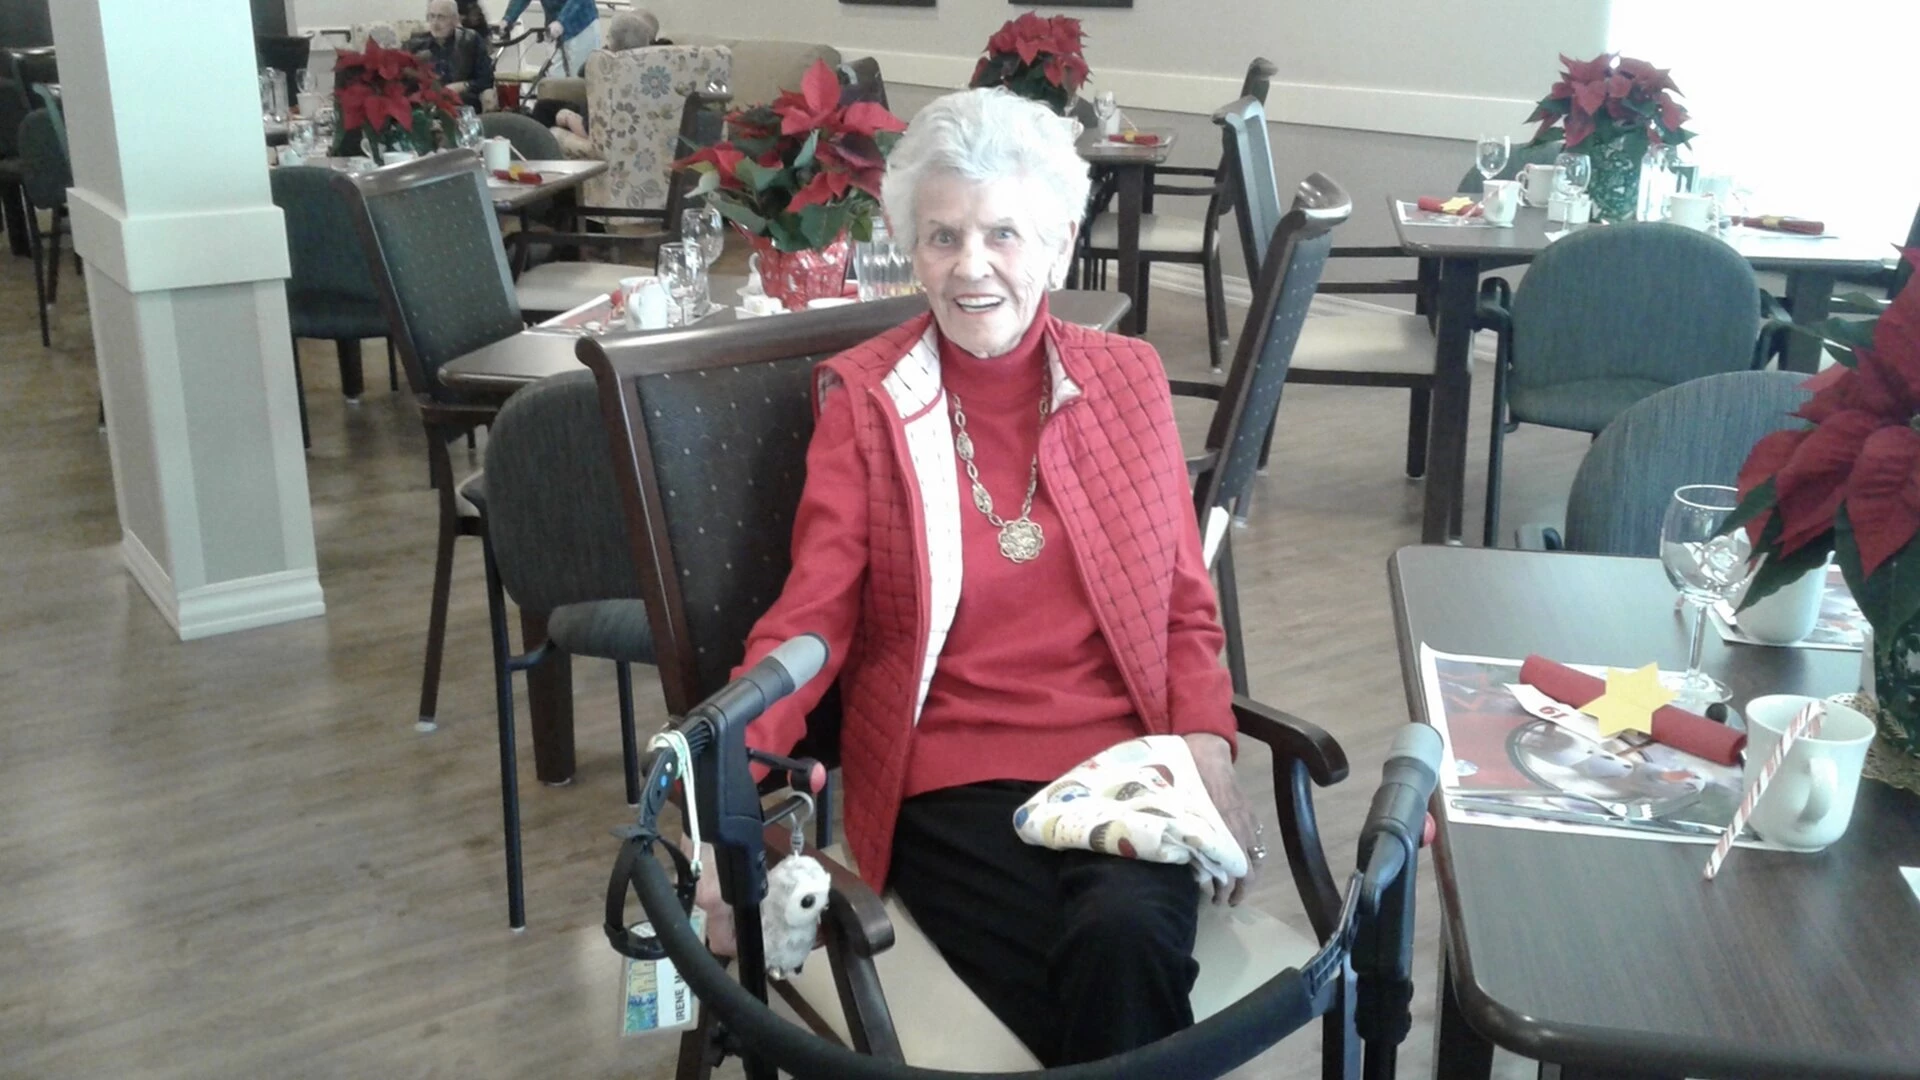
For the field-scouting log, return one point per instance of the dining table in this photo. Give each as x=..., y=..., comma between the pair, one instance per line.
x=1131, y=165
x=493, y=372
x=1610, y=955
x=1461, y=252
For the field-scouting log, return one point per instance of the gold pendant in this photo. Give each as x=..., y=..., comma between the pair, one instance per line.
x=1021, y=540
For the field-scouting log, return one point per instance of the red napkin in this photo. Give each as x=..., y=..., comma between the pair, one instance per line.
x=1136, y=138
x=522, y=177
x=1673, y=726
x=1433, y=204
x=1776, y=223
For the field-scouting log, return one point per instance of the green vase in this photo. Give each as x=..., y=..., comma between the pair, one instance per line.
x=1896, y=685
x=1615, y=187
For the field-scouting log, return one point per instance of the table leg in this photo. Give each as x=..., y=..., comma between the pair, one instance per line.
x=1131, y=188
x=1810, y=296
x=549, y=704
x=1455, y=301
x=1459, y=1052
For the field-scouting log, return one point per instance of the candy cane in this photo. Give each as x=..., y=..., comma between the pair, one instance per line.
x=1806, y=723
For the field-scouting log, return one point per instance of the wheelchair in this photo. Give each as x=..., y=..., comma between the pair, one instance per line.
x=1358, y=983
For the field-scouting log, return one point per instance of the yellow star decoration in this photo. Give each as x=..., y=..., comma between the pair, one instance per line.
x=1629, y=702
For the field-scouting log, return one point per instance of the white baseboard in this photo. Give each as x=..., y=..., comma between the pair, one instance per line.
x=227, y=606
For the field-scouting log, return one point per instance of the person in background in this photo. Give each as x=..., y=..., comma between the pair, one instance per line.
x=458, y=55
x=634, y=29
x=474, y=17
x=573, y=27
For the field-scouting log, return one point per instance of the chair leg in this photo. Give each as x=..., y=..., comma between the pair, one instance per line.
x=53, y=261
x=1146, y=287
x=300, y=392
x=1419, y=412
x=353, y=379
x=437, y=622
x=38, y=250
x=1230, y=615
x=629, y=744
x=1266, y=446
x=1496, y=444
x=1216, y=290
x=393, y=368
x=509, y=766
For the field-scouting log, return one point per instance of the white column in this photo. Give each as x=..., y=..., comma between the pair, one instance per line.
x=185, y=257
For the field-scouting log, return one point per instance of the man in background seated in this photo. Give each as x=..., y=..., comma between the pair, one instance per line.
x=634, y=29
x=474, y=17
x=458, y=55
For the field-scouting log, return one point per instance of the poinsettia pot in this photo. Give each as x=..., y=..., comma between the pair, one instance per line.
x=1615, y=186
x=1896, y=685
x=795, y=277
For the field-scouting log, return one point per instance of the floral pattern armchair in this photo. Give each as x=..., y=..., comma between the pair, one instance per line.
x=634, y=101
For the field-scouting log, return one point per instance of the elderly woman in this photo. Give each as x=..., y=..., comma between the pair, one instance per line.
x=997, y=541
x=634, y=29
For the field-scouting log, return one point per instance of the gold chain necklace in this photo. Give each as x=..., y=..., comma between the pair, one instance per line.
x=1021, y=538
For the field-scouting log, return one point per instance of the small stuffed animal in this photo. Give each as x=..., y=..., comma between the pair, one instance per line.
x=790, y=913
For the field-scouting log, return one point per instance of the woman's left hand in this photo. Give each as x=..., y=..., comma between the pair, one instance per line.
x=1214, y=758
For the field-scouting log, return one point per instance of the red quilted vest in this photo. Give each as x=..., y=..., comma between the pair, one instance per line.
x=1112, y=463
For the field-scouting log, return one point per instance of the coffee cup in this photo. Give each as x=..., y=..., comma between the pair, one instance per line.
x=1693, y=211
x=1789, y=613
x=497, y=153
x=1536, y=183
x=646, y=302
x=1501, y=202
x=1810, y=799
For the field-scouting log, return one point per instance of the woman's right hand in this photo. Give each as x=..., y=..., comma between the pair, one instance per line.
x=706, y=897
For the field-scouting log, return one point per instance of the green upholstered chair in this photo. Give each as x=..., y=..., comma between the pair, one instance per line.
x=1698, y=432
x=1605, y=317
x=45, y=176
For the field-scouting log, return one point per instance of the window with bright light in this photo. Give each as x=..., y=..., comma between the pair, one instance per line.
x=1807, y=105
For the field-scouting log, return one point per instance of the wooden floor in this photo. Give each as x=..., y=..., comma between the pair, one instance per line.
x=236, y=858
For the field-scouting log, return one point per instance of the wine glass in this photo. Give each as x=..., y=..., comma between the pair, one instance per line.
x=467, y=123
x=701, y=226
x=1104, y=109
x=302, y=138
x=1705, y=565
x=679, y=269
x=1490, y=154
x=306, y=82
x=1575, y=173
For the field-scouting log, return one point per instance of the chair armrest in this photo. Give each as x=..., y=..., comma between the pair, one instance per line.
x=1303, y=756
x=1183, y=191
x=855, y=929
x=870, y=932
x=1493, y=315
x=1293, y=737
x=1496, y=290
x=1209, y=172
x=1194, y=388
x=1200, y=463
x=620, y=211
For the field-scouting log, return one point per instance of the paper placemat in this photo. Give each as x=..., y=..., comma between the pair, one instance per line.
x=1411, y=214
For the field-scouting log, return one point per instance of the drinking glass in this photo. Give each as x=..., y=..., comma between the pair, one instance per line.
x=305, y=82
x=700, y=230
x=467, y=123
x=302, y=138
x=1576, y=172
x=679, y=268
x=717, y=86
x=1706, y=567
x=1490, y=155
x=1104, y=108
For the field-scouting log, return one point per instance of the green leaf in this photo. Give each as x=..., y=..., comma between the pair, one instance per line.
x=1891, y=597
x=1758, y=501
x=742, y=216
x=1775, y=574
x=805, y=157
x=862, y=228
x=786, y=233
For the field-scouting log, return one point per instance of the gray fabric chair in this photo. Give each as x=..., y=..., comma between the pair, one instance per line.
x=860, y=80
x=1698, y=432
x=556, y=542
x=1608, y=316
x=532, y=139
x=330, y=294
x=13, y=109
x=1250, y=397
x=428, y=234
x=45, y=176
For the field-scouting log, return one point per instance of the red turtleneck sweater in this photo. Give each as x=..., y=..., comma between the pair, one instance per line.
x=1025, y=687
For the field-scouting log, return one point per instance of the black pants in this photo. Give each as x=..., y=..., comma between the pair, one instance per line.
x=1082, y=955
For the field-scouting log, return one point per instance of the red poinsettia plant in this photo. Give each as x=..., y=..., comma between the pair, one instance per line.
x=1037, y=58
x=1849, y=485
x=1612, y=98
x=389, y=96
x=802, y=170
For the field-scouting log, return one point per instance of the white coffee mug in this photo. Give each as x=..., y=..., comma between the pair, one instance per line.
x=497, y=153
x=646, y=301
x=1789, y=613
x=1536, y=183
x=1693, y=211
x=1501, y=202
x=1810, y=800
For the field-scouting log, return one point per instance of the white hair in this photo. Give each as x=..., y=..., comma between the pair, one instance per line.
x=435, y=5
x=634, y=29
x=985, y=135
